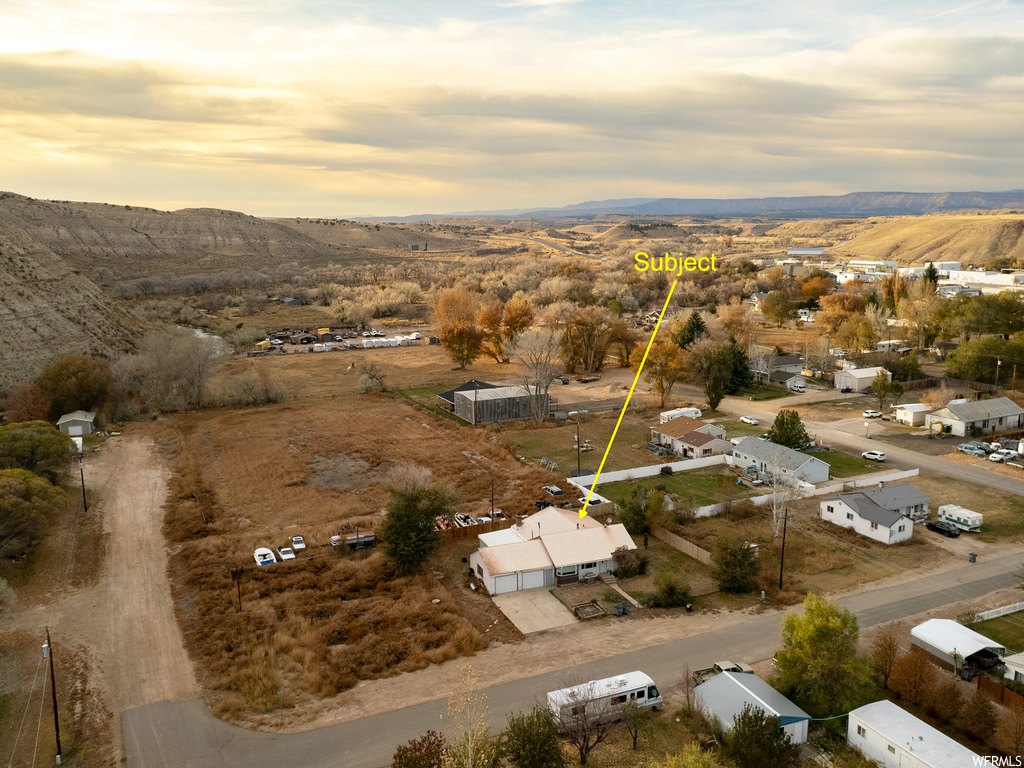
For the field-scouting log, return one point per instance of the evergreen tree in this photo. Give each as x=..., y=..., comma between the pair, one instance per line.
x=788, y=430
x=694, y=328
x=757, y=740
x=409, y=534
x=741, y=375
x=734, y=566
x=531, y=740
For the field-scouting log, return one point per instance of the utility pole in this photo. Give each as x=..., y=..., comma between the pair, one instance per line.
x=81, y=473
x=48, y=653
x=999, y=362
x=492, y=498
x=1014, y=385
x=782, y=556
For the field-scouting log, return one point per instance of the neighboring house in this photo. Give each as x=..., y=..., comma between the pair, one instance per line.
x=77, y=423
x=725, y=695
x=894, y=738
x=448, y=398
x=857, y=511
x=995, y=415
x=769, y=458
x=902, y=498
x=913, y=414
x=786, y=380
x=290, y=302
x=757, y=299
x=772, y=374
x=687, y=437
x=1014, y=667
x=492, y=406
x=953, y=646
x=859, y=379
x=554, y=546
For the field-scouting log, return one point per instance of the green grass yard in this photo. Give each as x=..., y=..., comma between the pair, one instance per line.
x=845, y=465
x=1005, y=630
x=695, y=488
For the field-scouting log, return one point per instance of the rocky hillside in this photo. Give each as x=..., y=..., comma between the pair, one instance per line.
x=132, y=241
x=48, y=309
x=376, y=235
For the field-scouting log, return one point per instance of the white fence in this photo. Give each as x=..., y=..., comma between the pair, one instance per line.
x=637, y=472
x=1004, y=611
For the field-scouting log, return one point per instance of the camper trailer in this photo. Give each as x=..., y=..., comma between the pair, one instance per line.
x=690, y=413
x=964, y=519
x=600, y=700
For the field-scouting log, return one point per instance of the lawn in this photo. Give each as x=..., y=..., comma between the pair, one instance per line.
x=845, y=465
x=763, y=393
x=1003, y=512
x=427, y=397
x=695, y=488
x=741, y=429
x=1005, y=630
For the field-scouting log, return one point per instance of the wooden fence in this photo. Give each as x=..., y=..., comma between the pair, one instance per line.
x=684, y=546
x=1000, y=694
x=456, y=533
x=959, y=385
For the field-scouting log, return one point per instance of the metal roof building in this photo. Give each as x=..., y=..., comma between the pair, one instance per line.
x=954, y=645
x=725, y=695
x=893, y=737
x=491, y=406
x=994, y=415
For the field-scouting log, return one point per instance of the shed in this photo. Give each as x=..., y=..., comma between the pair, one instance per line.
x=859, y=379
x=492, y=406
x=725, y=695
x=77, y=423
x=894, y=738
x=290, y=302
x=912, y=414
x=954, y=646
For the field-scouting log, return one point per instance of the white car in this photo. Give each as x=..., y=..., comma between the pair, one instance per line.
x=264, y=556
x=1003, y=454
x=276, y=342
x=298, y=543
x=872, y=414
x=553, y=490
x=286, y=553
x=749, y=420
x=873, y=456
x=367, y=334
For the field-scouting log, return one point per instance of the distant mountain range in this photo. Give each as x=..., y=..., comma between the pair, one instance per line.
x=855, y=204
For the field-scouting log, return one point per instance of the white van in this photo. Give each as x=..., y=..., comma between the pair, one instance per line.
x=964, y=519
x=602, y=699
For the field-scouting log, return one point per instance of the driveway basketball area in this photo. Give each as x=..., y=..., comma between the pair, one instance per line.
x=534, y=610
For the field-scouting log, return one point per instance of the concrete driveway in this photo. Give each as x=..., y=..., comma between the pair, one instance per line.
x=534, y=610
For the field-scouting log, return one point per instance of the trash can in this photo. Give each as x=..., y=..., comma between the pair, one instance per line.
x=967, y=674
x=689, y=607
x=622, y=609
x=972, y=557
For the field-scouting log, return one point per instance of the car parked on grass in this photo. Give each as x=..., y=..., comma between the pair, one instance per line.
x=264, y=556
x=873, y=456
x=872, y=414
x=1003, y=454
x=553, y=490
x=286, y=553
x=298, y=543
x=970, y=449
x=749, y=420
x=946, y=529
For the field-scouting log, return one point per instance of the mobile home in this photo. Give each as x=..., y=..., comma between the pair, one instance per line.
x=964, y=519
x=690, y=413
x=601, y=699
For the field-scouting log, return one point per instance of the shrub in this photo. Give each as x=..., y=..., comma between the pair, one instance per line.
x=666, y=471
x=626, y=565
x=643, y=560
x=672, y=591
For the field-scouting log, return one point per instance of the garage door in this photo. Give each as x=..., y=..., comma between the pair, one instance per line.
x=533, y=579
x=74, y=429
x=507, y=583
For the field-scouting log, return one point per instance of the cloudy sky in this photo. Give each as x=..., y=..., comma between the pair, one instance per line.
x=346, y=108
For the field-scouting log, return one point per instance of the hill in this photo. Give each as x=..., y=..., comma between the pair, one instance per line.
x=376, y=236
x=47, y=309
x=132, y=242
x=968, y=238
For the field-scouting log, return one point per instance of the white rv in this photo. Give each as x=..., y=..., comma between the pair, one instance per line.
x=964, y=519
x=690, y=413
x=603, y=698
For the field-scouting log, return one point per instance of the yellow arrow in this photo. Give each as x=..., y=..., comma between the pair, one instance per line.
x=583, y=512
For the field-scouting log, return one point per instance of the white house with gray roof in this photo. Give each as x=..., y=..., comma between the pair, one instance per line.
x=996, y=415
x=725, y=695
x=893, y=737
x=902, y=498
x=778, y=461
x=859, y=512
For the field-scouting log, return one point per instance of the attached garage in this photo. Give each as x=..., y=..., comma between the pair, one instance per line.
x=533, y=579
x=512, y=567
x=508, y=582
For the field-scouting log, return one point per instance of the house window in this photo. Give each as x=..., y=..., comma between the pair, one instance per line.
x=874, y=526
x=1018, y=677
x=861, y=731
x=829, y=508
x=849, y=515
x=565, y=570
x=479, y=570
x=902, y=528
x=892, y=749
x=587, y=566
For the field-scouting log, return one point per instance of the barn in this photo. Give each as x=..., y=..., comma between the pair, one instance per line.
x=492, y=406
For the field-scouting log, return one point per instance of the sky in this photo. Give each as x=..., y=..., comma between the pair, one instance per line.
x=345, y=108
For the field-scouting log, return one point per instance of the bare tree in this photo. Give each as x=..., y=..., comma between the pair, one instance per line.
x=818, y=355
x=885, y=650
x=537, y=351
x=762, y=360
x=371, y=377
x=467, y=726
x=687, y=684
x=582, y=717
x=782, y=488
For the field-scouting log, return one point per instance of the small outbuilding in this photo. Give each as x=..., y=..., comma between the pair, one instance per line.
x=953, y=646
x=77, y=423
x=912, y=414
x=493, y=406
x=894, y=738
x=448, y=398
x=859, y=379
x=725, y=695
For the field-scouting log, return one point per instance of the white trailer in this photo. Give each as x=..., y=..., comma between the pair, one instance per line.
x=601, y=700
x=964, y=519
x=690, y=413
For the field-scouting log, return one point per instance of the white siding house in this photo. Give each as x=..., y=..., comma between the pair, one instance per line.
x=867, y=518
x=672, y=435
x=994, y=415
x=895, y=738
x=773, y=459
x=913, y=414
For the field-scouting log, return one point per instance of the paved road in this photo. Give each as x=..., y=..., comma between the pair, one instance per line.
x=184, y=735
x=557, y=247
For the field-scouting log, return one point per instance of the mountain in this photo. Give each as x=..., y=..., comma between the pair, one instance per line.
x=855, y=204
x=132, y=241
x=48, y=309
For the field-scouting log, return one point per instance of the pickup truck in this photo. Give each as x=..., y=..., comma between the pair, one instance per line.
x=703, y=675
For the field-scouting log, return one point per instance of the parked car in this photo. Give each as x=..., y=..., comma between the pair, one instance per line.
x=799, y=388
x=749, y=420
x=553, y=490
x=442, y=523
x=1003, y=454
x=367, y=334
x=873, y=456
x=264, y=556
x=286, y=553
x=276, y=342
x=338, y=337
x=846, y=390
x=970, y=450
x=298, y=543
x=463, y=520
x=872, y=414
x=946, y=529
